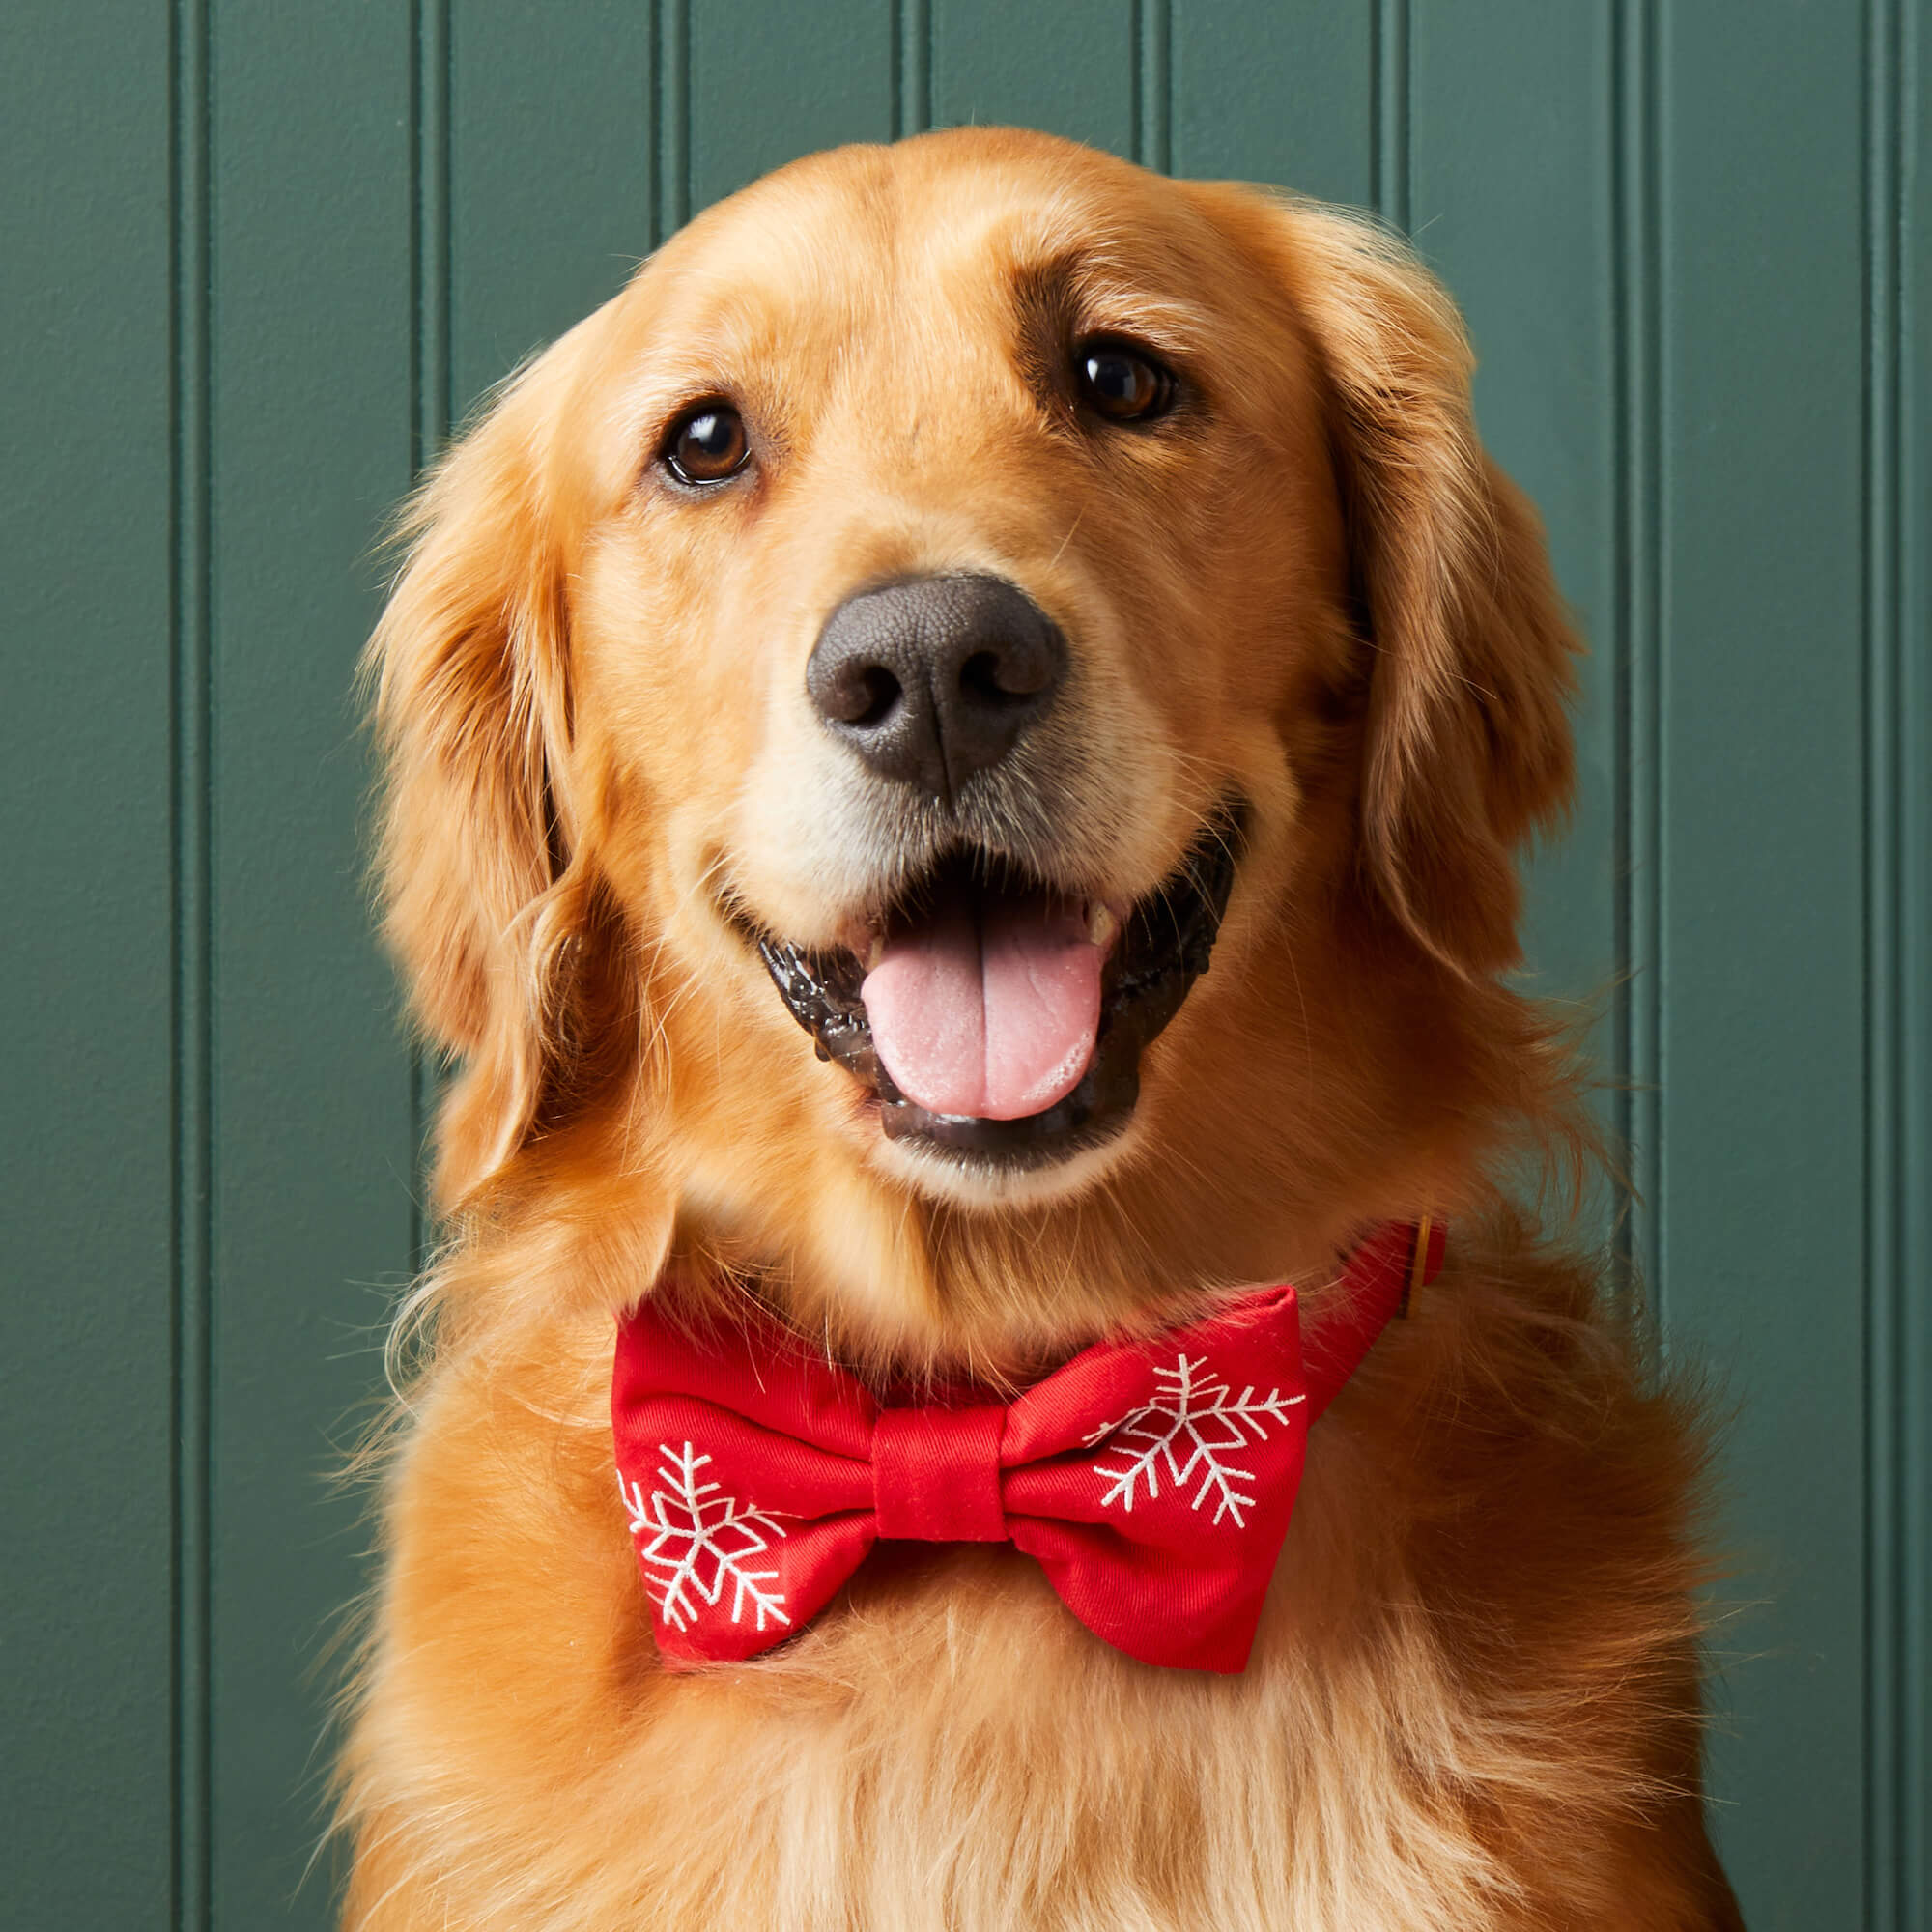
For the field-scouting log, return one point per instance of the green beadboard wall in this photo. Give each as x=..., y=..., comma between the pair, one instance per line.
x=254, y=260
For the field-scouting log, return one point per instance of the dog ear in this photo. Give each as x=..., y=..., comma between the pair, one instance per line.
x=1467, y=739
x=482, y=896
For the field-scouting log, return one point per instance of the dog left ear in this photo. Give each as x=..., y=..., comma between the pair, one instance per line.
x=1468, y=745
x=484, y=893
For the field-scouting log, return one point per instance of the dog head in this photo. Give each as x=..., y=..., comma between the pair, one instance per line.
x=845, y=697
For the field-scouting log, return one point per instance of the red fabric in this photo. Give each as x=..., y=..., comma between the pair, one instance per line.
x=1153, y=1481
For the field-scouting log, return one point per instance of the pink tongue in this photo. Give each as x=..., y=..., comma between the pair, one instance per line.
x=989, y=1008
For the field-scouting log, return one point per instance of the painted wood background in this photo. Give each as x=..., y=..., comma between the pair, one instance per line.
x=255, y=258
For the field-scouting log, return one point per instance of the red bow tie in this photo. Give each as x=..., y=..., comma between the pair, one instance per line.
x=1153, y=1481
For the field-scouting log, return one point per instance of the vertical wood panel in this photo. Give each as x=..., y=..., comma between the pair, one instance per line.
x=1902, y=70
x=86, y=1035
x=538, y=196
x=1070, y=68
x=312, y=339
x=1529, y=252
x=552, y=171
x=1762, y=1211
x=1264, y=93
x=771, y=81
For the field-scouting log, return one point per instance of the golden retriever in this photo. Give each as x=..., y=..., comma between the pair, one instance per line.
x=835, y=699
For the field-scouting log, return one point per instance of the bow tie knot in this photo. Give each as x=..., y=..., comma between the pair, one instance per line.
x=937, y=1474
x=1153, y=1481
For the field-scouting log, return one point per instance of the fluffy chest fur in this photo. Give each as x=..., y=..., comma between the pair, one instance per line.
x=1472, y=1703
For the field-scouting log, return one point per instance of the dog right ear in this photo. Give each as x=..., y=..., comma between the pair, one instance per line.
x=482, y=896
x=1471, y=652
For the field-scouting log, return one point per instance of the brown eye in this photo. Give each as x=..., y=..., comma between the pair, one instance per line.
x=1122, y=384
x=707, y=444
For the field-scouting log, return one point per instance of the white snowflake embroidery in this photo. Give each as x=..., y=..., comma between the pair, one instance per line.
x=1190, y=1425
x=700, y=1540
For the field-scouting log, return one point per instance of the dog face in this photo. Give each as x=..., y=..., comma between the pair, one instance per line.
x=846, y=694
x=953, y=678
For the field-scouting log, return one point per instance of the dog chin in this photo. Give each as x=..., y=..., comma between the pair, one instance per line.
x=961, y=1178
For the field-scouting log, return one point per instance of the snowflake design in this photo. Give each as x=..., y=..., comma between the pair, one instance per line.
x=701, y=1540
x=1188, y=1430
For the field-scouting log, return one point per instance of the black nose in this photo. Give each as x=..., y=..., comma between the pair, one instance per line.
x=932, y=680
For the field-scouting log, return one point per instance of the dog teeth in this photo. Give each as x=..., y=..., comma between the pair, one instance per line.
x=876, y=951
x=1102, y=924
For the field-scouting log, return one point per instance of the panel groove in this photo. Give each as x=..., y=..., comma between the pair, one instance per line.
x=1913, y=1172
x=912, y=67
x=672, y=22
x=1911, y=977
x=192, y=920
x=1154, y=88
x=1638, y=850
x=1878, y=622
x=432, y=411
x=654, y=210
x=1889, y=1498
x=1391, y=185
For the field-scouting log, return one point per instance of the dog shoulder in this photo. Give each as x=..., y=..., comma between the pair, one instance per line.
x=1550, y=1478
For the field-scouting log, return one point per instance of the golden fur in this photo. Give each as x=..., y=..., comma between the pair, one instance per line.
x=1473, y=1702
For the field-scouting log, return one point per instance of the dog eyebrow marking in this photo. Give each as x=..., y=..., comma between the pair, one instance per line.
x=1076, y=292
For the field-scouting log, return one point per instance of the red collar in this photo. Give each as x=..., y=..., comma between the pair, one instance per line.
x=1151, y=1480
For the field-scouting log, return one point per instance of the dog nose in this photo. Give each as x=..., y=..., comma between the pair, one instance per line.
x=936, y=679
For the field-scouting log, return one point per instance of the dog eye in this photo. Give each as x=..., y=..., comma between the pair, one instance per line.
x=1122, y=384
x=707, y=444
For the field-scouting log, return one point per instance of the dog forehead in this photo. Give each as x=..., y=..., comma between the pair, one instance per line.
x=858, y=245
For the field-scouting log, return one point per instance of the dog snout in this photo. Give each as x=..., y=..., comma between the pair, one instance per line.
x=934, y=679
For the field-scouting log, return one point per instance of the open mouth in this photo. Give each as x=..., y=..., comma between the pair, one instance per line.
x=998, y=1018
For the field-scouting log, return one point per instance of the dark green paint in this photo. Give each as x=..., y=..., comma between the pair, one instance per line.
x=1070, y=68
x=1762, y=1214
x=257, y=260
x=551, y=176
x=770, y=80
x=1530, y=251
x=1257, y=97
x=86, y=973
x=311, y=355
